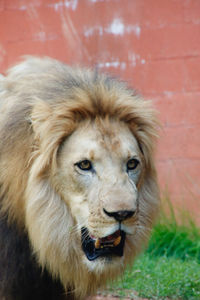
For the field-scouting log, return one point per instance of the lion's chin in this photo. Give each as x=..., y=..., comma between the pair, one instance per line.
x=106, y=247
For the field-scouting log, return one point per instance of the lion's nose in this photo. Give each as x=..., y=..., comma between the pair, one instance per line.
x=120, y=215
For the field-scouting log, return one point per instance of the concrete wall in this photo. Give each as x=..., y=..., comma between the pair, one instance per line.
x=153, y=44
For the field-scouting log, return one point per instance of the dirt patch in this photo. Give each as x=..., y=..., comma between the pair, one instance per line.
x=106, y=298
x=112, y=297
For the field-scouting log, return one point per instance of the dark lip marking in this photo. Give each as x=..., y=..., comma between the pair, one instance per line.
x=106, y=247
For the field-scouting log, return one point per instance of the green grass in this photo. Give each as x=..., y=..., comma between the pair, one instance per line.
x=172, y=240
x=161, y=278
x=170, y=267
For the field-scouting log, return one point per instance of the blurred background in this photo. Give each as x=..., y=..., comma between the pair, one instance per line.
x=152, y=44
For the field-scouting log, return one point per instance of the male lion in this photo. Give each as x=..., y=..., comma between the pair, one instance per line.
x=78, y=187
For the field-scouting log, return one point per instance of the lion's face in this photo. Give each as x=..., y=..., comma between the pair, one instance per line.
x=99, y=172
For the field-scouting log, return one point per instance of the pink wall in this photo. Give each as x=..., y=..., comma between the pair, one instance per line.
x=153, y=44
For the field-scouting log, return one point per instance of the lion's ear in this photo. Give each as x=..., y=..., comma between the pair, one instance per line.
x=51, y=125
x=45, y=139
x=146, y=142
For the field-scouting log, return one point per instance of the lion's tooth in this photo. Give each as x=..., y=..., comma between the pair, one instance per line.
x=97, y=244
x=117, y=241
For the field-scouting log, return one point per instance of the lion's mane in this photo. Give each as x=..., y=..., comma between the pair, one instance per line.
x=42, y=101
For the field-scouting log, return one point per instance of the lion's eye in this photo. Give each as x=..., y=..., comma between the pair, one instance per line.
x=84, y=165
x=132, y=164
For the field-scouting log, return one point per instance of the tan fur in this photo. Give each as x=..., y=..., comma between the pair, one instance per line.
x=47, y=111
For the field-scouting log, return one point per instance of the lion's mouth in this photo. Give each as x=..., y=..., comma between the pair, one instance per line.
x=102, y=247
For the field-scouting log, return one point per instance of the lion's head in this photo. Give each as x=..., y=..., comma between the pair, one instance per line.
x=86, y=189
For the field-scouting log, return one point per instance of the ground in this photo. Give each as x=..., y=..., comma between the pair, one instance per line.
x=111, y=297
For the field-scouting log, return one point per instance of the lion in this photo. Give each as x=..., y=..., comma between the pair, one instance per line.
x=78, y=183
